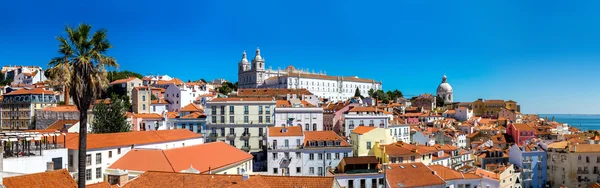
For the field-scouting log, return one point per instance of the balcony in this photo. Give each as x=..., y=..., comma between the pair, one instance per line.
x=371, y=125
x=381, y=125
x=213, y=135
x=246, y=148
x=527, y=160
x=230, y=136
x=583, y=172
x=286, y=160
x=283, y=147
x=351, y=126
x=245, y=136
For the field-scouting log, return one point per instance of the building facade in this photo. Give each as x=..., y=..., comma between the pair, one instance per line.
x=332, y=88
x=444, y=91
x=298, y=113
x=365, y=116
x=531, y=160
x=18, y=107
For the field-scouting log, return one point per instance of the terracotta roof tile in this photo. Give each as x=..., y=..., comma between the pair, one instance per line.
x=175, y=81
x=241, y=99
x=99, y=185
x=179, y=159
x=411, y=175
x=360, y=160
x=194, y=115
x=323, y=136
x=287, y=103
x=57, y=178
x=172, y=114
x=191, y=108
x=124, y=80
x=291, y=131
x=148, y=116
x=35, y=91
x=62, y=108
x=171, y=179
x=96, y=141
x=159, y=102
x=286, y=182
x=363, y=129
x=60, y=124
x=523, y=127
x=449, y=174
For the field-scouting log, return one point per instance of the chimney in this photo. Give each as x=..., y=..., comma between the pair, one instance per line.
x=49, y=166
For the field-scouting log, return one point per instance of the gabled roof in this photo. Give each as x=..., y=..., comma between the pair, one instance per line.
x=171, y=179
x=27, y=91
x=60, y=124
x=191, y=108
x=99, y=185
x=449, y=174
x=57, y=178
x=148, y=116
x=179, y=159
x=98, y=141
x=62, y=108
x=523, y=127
x=194, y=115
x=411, y=175
x=124, y=80
x=290, y=131
x=241, y=99
x=323, y=136
x=286, y=181
x=363, y=129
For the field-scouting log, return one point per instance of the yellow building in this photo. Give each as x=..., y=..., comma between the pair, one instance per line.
x=140, y=99
x=490, y=108
x=18, y=107
x=363, y=139
x=401, y=152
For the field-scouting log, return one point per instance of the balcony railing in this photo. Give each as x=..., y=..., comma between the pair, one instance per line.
x=381, y=125
x=230, y=136
x=213, y=135
x=351, y=127
x=527, y=160
x=246, y=148
x=238, y=122
x=283, y=147
x=285, y=160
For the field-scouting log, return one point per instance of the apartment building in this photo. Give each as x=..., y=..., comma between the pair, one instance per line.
x=125, y=86
x=573, y=165
x=18, y=107
x=366, y=116
x=295, y=112
x=241, y=122
x=530, y=159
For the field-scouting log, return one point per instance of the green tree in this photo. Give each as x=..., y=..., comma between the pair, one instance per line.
x=227, y=87
x=80, y=69
x=117, y=75
x=357, y=93
x=439, y=102
x=111, y=118
x=371, y=93
x=153, y=97
x=3, y=81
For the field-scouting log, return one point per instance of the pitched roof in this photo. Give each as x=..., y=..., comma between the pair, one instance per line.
x=175, y=81
x=241, y=99
x=148, y=116
x=585, y=148
x=449, y=174
x=363, y=129
x=57, y=178
x=290, y=131
x=97, y=141
x=323, y=136
x=99, y=185
x=62, y=108
x=60, y=124
x=191, y=108
x=523, y=127
x=360, y=160
x=287, y=103
x=171, y=179
x=172, y=114
x=179, y=159
x=34, y=91
x=326, y=77
x=286, y=182
x=158, y=101
x=194, y=115
x=411, y=175
x=124, y=80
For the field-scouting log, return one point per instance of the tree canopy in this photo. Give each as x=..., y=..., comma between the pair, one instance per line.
x=3, y=81
x=357, y=93
x=116, y=75
x=110, y=118
x=227, y=87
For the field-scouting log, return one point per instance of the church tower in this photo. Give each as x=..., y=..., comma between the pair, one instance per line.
x=258, y=62
x=244, y=65
x=444, y=90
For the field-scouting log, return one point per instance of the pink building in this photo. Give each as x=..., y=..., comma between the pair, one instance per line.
x=521, y=133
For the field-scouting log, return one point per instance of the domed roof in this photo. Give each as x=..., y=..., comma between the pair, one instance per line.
x=258, y=57
x=444, y=86
x=244, y=59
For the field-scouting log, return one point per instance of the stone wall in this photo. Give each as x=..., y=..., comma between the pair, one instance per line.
x=46, y=118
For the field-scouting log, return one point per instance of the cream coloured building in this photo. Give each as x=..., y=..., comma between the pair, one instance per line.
x=363, y=139
x=573, y=165
x=241, y=122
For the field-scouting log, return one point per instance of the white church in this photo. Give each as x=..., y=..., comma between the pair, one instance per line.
x=332, y=88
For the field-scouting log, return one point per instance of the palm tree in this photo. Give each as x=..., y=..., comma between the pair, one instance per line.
x=80, y=70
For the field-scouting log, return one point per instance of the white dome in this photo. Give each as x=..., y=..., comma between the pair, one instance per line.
x=244, y=59
x=444, y=87
x=258, y=57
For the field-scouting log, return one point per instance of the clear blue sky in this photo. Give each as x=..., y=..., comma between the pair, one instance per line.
x=543, y=54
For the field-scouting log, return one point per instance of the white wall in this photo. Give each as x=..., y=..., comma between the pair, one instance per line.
x=302, y=116
x=400, y=133
x=35, y=164
x=343, y=179
x=158, y=108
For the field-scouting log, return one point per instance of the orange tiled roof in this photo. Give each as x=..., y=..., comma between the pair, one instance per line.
x=59, y=124
x=175, y=81
x=362, y=129
x=323, y=136
x=57, y=178
x=449, y=174
x=291, y=131
x=286, y=181
x=241, y=99
x=523, y=127
x=191, y=108
x=124, y=80
x=171, y=179
x=179, y=159
x=148, y=116
x=158, y=102
x=62, y=108
x=35, y=91
x=287, y=103
x=95, y=141
x=172, y=114
x=99, y=185
x=194, y=115
x=411, y=175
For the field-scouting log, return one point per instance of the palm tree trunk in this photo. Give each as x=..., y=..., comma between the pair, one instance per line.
x=66, y=94
x=82, y=148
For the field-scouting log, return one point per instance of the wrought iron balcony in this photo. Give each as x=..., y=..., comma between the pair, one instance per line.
x=245, y=136
x=246, y=148
x=230, y=136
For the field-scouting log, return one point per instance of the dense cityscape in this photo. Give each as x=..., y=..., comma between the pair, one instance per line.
x=290, y=127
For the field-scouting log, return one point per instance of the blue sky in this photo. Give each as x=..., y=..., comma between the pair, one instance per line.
x=543, y=54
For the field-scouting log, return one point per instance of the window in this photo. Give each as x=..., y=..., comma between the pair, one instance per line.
x=88, y=160
x=143, y=106
x=298, y=170
x=307, y=127
x=88, y=174
x=260, y=120
x=246, y=110
x=350, y=183
x=213, y=119
x=260, y=110
x=222, y=119
x=275, y=171
x=320, y=156
x=320, y=170
x=337, y=155
x=70, y=160
x=298, y=155
x=109, y=154
x=274, y=155
x=311, y=170
x=412, y=158
x=245, y=119
x=328, y=156
x=345, y=154
x=222, y=132
x=268, y=119
x=143, y=97
x=231, y=118
x=222, y=110
x=311, y=156
x=268, y=109
x=232, y=143
x=368, y=145
x=260, y=131
x=232, y=131
x=286, y=143
x=98, y=173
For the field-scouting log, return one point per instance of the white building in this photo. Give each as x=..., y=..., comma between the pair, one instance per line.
x=463, y=113
x=29, y=78
x=48, y=148
x=366, y=116
x=399, y=132
x=292, y=152
x=333, y=88
x=423, y=138
x=183, y=94
x=151, y=80
x=10, y=72
x=294, y=112
x=444, y=91
x=104, y=149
